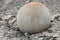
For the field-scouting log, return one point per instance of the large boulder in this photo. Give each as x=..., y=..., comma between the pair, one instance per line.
x=33, y=18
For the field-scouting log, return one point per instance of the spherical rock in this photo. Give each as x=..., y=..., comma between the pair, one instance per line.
x=33, y=18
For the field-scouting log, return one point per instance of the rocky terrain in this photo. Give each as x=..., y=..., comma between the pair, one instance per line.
x=8, y=26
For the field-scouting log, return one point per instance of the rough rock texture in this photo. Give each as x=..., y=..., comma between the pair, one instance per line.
x=8, y=27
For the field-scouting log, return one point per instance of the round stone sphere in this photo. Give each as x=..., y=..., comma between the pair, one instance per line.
x=33, y=18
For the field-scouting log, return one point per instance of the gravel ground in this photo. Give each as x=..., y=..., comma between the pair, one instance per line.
x=9, y=29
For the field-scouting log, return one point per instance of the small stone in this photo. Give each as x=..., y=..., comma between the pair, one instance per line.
x=36, y=37
x=12, y=21
x=56, y=17
x=56, y=35
x=8, y=17
x=27, y=1
x=50, y=30
x=40, y=38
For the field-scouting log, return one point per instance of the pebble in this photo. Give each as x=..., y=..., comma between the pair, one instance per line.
x=8, y=17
